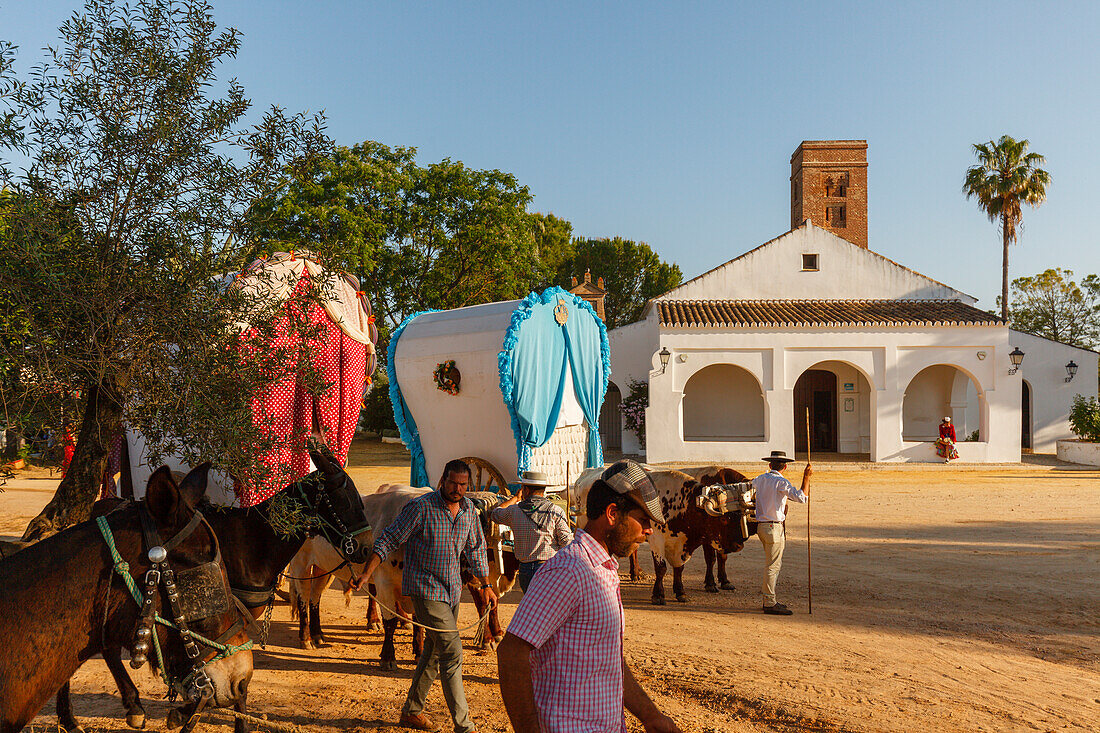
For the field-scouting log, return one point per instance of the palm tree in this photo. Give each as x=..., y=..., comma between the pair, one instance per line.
x=1006, y=177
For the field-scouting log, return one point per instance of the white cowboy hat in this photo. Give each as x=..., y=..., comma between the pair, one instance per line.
x=534, y=478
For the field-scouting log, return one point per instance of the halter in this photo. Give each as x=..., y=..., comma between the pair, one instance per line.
x=205, y=598
x=337, y=534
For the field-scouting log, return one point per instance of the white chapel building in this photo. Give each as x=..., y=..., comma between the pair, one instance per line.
x=815, y=321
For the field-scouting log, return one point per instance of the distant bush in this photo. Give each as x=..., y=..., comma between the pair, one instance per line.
x=1084, y=419
x=633, y=408
x=972, y=438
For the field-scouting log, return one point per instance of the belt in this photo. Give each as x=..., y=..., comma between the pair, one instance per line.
x=768, y=521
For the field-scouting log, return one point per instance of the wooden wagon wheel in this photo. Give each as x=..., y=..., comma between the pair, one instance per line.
x=486, y=477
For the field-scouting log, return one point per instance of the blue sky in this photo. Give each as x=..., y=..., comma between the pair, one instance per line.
x=673, y=123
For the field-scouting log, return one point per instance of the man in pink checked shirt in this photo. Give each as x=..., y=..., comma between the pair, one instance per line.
x=561, y=663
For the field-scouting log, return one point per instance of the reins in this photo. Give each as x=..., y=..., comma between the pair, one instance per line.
x=345, y=563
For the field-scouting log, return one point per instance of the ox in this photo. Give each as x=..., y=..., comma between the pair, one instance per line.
x=687, y=526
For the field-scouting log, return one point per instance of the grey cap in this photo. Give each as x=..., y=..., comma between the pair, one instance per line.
x=629, y=478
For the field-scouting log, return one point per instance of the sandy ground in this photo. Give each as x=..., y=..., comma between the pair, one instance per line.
x=943, y=600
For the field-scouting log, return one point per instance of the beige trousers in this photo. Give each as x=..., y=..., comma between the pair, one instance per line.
x=772, y=537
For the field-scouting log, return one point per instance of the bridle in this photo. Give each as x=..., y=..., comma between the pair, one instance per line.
x=192, y=594
x=335, y=531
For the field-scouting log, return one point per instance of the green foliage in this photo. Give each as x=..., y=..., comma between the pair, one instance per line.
x=1006, y=177
x=1084, y=418
x=114, y=241
x=633, y=408
x=288, y=517
x=632, y=274
x=377, y=415
x=421, y=237
x=555, y=248
x=1052, y=305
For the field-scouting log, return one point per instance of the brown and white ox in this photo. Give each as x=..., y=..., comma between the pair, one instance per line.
x=308, y=579
x=687, y=527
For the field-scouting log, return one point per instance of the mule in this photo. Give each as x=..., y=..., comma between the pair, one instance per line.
x=255, y=555
x=61, y=602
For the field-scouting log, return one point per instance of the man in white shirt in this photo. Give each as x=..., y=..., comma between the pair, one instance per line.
x=539, y=526
x=772, y=492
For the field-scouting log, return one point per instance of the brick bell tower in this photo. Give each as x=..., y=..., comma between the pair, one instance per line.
x=829, y=187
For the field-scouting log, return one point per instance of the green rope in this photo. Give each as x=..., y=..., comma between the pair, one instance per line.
x=122, y=568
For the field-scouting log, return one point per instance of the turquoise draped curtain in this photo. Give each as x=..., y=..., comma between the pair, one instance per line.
x=582, y=335
x=538, y=375
x=536, y=365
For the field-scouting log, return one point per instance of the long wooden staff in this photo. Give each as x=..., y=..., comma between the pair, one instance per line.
x=809, y=572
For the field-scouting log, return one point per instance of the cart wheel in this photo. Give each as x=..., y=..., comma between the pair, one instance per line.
x=486, y=477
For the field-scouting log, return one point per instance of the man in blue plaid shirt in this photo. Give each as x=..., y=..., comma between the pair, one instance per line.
x=437, y=529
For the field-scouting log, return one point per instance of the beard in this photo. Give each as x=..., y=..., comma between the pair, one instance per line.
x=622, y=541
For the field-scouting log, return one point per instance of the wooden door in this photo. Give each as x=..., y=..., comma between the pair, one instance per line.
x=816, y=390
x=611, y=420
x=1025, y=417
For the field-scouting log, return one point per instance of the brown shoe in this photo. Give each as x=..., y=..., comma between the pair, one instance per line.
x=418, y=721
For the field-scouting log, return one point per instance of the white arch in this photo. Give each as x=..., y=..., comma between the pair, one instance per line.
x=931, y=391
x=855, y=428
x=723, y=402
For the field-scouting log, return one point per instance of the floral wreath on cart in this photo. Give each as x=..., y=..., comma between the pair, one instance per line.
x=447, y=377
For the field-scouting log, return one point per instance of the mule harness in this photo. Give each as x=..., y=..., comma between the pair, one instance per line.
x=196, y=685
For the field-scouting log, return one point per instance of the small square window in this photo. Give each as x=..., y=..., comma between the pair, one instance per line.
x=809, y=262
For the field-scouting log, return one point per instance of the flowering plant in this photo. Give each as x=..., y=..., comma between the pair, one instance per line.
x=633, y=408
x=447, y=377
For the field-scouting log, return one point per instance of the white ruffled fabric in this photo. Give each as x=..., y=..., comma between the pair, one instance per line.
x=274, y=279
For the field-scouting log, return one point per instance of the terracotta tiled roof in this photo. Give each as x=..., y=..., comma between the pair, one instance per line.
x=755, y=313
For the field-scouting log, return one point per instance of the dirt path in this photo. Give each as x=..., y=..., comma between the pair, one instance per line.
x=945, y=601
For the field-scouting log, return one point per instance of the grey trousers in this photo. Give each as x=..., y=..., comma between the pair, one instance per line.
x=442, y=657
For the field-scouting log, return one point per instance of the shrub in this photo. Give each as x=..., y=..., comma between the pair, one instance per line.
x=633, y=407
x=1084, y=419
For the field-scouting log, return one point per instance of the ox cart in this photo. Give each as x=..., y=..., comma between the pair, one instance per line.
x=342, y=352
x=509, y=387
x=512, y=386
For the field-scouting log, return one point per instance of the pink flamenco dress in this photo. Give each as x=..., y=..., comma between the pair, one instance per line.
x=945, y=444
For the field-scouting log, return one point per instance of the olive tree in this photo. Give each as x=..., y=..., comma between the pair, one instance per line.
x=118, y=232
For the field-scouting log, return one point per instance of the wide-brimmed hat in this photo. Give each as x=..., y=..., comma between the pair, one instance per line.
x=534, y=478
x=947, y=419
x=630, y=479
x=778, y=455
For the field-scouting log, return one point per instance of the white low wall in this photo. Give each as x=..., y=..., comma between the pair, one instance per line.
x=1079, y=451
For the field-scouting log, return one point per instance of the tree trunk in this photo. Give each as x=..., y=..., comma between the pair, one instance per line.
x=72, y=502
x=1004, y=269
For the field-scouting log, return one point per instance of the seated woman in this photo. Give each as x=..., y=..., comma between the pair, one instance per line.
x=945, y=444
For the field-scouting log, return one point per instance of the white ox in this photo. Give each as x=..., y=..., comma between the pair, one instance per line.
x=687, y=527
x=317, y=556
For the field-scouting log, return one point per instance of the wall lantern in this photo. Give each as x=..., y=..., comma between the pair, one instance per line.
x=1017, y=358
x=1071, y=370
x=664, y=355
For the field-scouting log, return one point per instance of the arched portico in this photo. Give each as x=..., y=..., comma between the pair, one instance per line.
x=723, y=402
x=944, y=390
x=840, y=400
